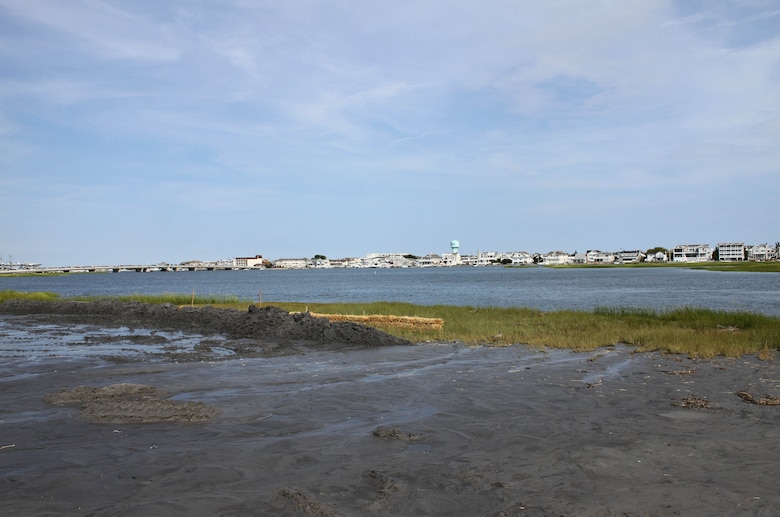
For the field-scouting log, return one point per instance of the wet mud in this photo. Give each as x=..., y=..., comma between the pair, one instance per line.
x=358, y=429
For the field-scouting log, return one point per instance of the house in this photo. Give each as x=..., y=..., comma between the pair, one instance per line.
x=450, y=259
x=320, y=263
x=762, y=252
x=731, y=251
x=386, y=260
x=291, y=263
x=630, y=257
x=429, y=260
x=469, y=260
x=487, y=258
x=658, y=256
x=556, y=258
x=520, y=258
x=599, y=257
x=692, y=253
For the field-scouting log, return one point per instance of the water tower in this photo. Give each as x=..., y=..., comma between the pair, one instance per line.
x=455, y=247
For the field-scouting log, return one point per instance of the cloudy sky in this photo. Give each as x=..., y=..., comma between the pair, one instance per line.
x=144, y=131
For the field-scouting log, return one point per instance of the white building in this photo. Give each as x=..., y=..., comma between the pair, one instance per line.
x=599, y=257
x=556, y=258
x=692, y=253
x=321, y=263
x=469, y=260
x=731, y=251
x=386, y=260
x=520, y=258
x=658, y=256
x=487, y=258
x=630, y=257
x=291, y=263
x=429, y=260
x=247, y=262
x=762, y=252
x=450, y=259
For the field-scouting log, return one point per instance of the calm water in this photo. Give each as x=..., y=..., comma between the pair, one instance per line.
x=542, y=288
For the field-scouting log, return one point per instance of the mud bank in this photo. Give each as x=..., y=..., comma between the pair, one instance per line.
x=266, y=324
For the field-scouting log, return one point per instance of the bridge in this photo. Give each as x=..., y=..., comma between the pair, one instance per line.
x=120, y=269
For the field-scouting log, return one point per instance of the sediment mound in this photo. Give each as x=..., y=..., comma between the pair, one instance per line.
x=130, y=403
x=261, y=323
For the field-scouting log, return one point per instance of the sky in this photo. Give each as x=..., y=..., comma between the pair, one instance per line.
x=136, y=132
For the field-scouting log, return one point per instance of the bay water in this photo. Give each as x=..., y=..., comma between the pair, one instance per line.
x=542, y=288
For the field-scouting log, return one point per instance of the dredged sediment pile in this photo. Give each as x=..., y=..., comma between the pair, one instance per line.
x=269, y=324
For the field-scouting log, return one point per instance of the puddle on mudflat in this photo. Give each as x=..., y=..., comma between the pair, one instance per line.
x=20, y=338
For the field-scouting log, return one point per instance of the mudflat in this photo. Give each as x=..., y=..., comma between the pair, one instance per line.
x=132, y=419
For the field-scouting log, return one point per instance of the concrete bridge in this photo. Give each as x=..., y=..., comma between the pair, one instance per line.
x=130, y=268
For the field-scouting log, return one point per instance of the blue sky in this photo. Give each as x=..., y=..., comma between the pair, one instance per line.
x=146, y=131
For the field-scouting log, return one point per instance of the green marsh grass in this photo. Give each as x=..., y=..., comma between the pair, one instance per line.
x=227, y=301
x=22, y=295
x=697, y=332
x=746, y=266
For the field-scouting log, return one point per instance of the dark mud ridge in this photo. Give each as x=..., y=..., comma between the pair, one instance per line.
x=268, y=324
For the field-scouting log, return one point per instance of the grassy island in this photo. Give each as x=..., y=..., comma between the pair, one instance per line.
x=692, y=331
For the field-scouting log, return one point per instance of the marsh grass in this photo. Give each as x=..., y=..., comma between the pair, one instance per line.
x=692, y=331
x=746, y=266
x=21, y=295
x=186, y=299
x=753, y=267
x=172, y=298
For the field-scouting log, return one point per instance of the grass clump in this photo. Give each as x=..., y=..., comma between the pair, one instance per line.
x=23, y=295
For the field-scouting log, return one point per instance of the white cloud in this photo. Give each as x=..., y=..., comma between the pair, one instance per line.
x=408, y=100
x=101, y=28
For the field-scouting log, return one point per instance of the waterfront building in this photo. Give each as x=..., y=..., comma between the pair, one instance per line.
x=556, y=258
x=469, y=260
x=692, y=253
x=731, y=251
x=629, y=257
x=321, y=263
x=291, y=263
x=429, y=260
x=247, y=262
x=520, y=258
x=599, y=257
x=762, y=252
x=486, y=258
x=450, y=259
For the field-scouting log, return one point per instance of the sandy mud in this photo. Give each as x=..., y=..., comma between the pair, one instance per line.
x=111, y=425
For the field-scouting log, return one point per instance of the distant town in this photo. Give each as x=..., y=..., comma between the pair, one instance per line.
x=723, y=252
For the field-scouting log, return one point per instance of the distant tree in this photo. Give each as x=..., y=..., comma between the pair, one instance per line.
x=320, y=257
x=716, y=255
x=506, y=261
x=411, y=257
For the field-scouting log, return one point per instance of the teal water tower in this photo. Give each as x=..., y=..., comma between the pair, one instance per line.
x=455, y=245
